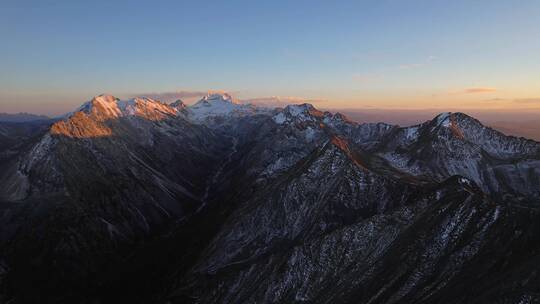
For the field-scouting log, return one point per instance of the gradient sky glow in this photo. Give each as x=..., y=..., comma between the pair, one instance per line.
x=447, y=55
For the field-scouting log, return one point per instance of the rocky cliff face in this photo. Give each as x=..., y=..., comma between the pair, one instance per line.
x=221, y=202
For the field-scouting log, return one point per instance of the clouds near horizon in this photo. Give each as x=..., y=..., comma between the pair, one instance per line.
x=535, y=101
x=190, y=97
x=280, y=101
x=477, y=90
x=186, y=96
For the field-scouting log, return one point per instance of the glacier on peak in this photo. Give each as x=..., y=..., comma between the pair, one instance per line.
x=219, y=105
x=219, y=97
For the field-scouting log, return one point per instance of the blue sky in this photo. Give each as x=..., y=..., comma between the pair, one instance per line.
x=387, y=54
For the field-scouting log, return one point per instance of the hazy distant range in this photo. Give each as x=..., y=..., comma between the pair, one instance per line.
x=517, y=123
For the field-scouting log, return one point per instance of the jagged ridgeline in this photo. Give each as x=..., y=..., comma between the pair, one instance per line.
x=139, y=201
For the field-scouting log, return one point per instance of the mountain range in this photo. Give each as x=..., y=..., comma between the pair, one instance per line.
x=222, y=202
x=22, y=117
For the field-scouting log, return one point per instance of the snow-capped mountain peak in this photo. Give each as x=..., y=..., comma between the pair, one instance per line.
x=220, y=105
x=102, y=105
x=454, y=119
x=147, y=108
x=299, y=113
x=105, y=107
x=447, y=125
x=89, y=120
x=218, y=98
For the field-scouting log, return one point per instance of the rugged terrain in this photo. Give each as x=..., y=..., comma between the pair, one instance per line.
x=221, y=202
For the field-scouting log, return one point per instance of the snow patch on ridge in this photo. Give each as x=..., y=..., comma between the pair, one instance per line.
x=411, y=132
x=279, y=118
x=444, y=119
x=297, y=110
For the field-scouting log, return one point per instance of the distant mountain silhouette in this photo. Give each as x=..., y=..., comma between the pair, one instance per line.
x=21, y=117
